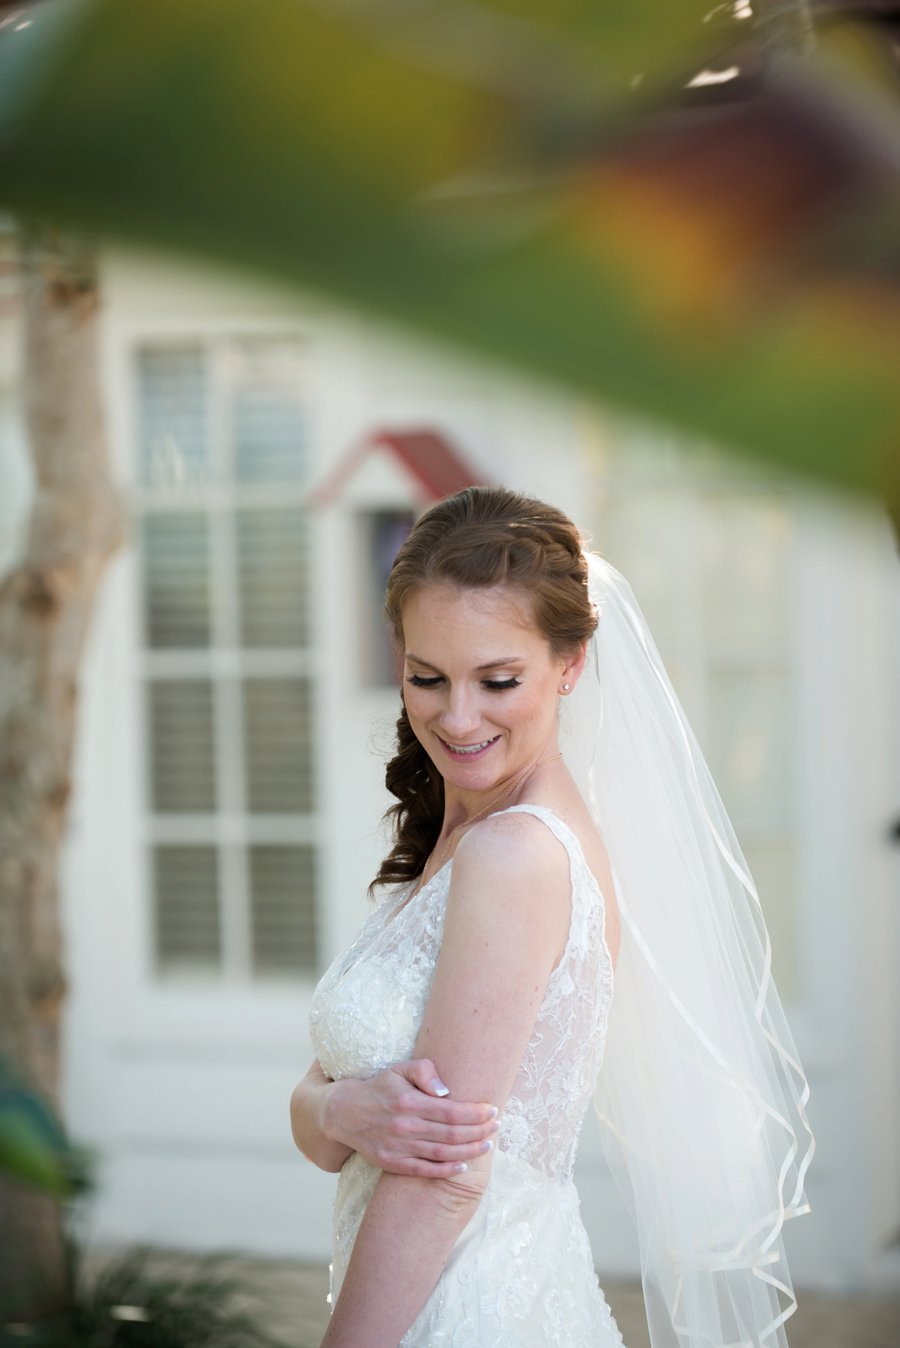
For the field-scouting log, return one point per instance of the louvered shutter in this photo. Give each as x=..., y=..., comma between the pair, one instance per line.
x=176, y=568
x=282, y=881
x=182, y=746
x=224, y=538
x=186, y=895
x=277, y=746
x=272, y=562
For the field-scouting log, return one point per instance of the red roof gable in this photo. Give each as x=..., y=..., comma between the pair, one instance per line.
x=433, y=463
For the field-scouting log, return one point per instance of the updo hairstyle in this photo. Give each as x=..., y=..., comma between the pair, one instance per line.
x=481, y=537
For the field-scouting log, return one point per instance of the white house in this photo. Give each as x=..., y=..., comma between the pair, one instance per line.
x=237, y=708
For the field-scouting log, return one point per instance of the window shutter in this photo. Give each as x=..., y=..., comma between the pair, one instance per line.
x=278, y=746
x=272, y=560
x=182, y=746
x=283, y=891
x=176, y=590
x=223, y=442
x=188, y=931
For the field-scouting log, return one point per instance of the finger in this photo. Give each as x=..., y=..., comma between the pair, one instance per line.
x=422, y=1169
x=421, y=1072
x=453, y=1113
x=428, y=1130
x=443, y=1154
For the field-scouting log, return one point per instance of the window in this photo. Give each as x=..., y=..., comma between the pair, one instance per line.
x=382, y=533
x=228, y=657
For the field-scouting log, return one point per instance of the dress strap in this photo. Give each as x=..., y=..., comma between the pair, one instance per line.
x=570, y=840
x=583, y=880
x=557, y=826
x=578, y=866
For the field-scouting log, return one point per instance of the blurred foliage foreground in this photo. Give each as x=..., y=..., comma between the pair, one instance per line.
x=131, y=1302
x=687, y=210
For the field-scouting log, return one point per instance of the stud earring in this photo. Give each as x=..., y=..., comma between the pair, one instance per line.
x=565, y=687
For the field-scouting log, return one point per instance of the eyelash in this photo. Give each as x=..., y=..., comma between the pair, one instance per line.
x=494, y=685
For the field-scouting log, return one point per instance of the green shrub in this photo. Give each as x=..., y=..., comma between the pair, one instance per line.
x=129, y=1304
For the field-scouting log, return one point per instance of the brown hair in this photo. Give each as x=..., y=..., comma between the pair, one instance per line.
x=481, y=537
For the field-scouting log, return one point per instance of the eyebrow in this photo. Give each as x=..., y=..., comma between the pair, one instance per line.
x=491, y=664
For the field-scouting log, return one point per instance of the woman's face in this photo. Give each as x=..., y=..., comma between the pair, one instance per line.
x=481, y=683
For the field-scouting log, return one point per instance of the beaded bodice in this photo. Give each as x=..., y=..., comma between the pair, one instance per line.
x=368, y=1007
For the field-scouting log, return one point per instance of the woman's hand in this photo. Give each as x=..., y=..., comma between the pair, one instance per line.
x=402, y=1121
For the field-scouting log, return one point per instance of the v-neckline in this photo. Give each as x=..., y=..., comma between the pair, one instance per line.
x=411, y=898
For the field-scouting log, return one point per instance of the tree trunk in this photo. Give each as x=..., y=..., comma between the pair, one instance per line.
x=45, y=608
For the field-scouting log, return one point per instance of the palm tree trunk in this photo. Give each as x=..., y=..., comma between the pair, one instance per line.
x=45, y=608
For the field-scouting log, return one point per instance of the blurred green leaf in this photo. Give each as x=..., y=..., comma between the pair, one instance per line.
x=33, y=1145
x=380, y=153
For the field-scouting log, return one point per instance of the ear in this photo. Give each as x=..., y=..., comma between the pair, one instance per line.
x=572, y=669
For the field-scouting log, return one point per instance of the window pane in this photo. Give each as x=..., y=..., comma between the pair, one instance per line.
x=182, y=746
x=173, y=413
x=383, y=534
x=282, y=881
x=176, y=565
x=269, y=437
x=188, y=931
x=278, y=749
x=272, y=576
x=268, y=407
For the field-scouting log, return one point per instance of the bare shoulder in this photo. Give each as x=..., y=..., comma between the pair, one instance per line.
x=527, y=867
x=514, y=843
x=511, y=884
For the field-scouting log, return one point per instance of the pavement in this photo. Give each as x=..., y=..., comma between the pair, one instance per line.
x=290, y=1300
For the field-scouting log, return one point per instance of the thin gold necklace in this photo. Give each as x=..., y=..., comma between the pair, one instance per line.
x=507, y=791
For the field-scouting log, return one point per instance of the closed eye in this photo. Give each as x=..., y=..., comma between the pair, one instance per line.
x=494, y=685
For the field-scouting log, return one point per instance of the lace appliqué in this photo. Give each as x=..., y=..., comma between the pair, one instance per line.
x=521, y=1273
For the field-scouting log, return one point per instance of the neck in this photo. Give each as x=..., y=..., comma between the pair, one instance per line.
x=501, y=796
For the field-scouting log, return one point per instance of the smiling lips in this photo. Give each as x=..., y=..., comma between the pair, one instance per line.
x=468, y=750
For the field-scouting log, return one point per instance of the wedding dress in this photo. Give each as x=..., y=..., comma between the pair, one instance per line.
x=521, y=1274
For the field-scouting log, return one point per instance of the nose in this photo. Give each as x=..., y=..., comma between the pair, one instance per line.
x=460, y=717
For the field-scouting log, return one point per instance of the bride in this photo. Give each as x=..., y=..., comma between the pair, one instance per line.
x=555, y=928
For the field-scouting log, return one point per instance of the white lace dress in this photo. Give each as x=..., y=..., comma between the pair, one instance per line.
x=520, y=1275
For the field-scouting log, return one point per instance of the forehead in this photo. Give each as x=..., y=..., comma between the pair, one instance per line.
x=438, y=613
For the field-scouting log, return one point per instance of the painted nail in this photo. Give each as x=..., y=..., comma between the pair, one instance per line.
x=439, y=1088
x=487, y=1146
x=460, y=1168
x=494, y=1111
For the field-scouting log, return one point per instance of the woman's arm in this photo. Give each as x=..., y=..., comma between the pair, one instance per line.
x=401, y=1120
x=312, y=1136
x=508, y=913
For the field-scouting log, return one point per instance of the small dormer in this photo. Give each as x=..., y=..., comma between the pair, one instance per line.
x=382, y=483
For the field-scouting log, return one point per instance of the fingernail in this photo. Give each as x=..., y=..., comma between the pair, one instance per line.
x=494, y=1111
x=495, y=1126
x=487, y=1146
x=439, y=1088
x=460, y=1168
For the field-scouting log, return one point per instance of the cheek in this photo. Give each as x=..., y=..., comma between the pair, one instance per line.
x=534, y=709
x=413, y=702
